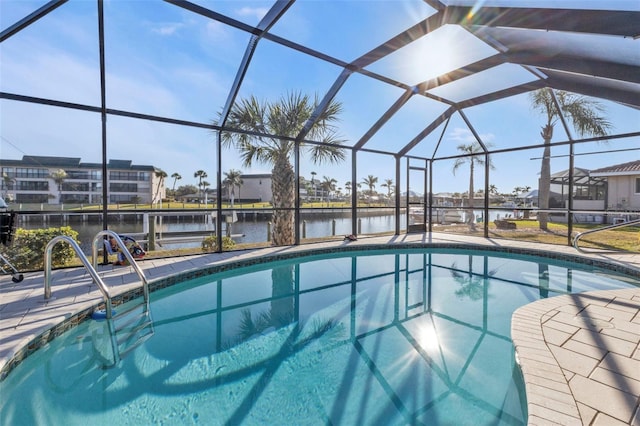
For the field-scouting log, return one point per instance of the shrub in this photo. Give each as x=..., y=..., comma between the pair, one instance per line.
x=210, y=243
x=26, y=253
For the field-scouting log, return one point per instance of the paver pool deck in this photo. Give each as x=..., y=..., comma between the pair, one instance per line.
x=579, y=353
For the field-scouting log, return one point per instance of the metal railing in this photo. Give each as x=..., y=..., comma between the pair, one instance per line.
x=91, y=269
x=94, y=275
x=576, y=239
x=98, y=239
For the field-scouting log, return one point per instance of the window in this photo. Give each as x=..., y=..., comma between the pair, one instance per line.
x=123, y=187
x=23, y=172
x=9, y=172
x=82, y=187
x=33, y=186
x=123, y=176
x=638, y=185
x=76, y=174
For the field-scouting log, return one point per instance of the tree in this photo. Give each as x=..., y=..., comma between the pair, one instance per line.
x=472, y=284
x=271, y=129
x=59, y=176
x=328, y=185
x=585, y=118
x=201, y=175
x=176, y=177
x=347, y=187
x=186, y=190
x=313, y=185
x=370, y=181
x=205, y=185
x=161, y=175
x=471, y=149
x=232, y=179
x=516, y=191
x=388, y=183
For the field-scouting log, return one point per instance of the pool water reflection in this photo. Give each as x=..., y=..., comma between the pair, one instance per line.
x=414, y=336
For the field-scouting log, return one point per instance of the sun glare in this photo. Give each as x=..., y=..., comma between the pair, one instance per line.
x=433, y=55
x=428, y=338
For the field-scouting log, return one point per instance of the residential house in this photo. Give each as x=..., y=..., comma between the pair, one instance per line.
x=623, y=185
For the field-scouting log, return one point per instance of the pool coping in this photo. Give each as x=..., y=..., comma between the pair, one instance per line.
x=23, y=333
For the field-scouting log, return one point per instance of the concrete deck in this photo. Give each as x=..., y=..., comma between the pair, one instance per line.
x=579, y=353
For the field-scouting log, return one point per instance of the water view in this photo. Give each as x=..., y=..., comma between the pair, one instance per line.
x=247, y=229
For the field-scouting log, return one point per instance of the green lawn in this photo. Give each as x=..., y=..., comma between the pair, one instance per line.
x=624, y=238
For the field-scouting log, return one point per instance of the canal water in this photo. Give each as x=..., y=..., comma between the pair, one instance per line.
x=245, y=230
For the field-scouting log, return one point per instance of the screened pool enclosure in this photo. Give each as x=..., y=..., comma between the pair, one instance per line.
x=283, y=122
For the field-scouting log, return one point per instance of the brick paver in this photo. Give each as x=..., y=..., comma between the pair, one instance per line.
x=595, y=347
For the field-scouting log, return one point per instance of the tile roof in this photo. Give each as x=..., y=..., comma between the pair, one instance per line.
x=625, y=168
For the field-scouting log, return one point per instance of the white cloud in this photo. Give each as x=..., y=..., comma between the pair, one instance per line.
x=460, y=134
x=258, y=12
x=37, y=69
x=216, y=30
x=166, y=29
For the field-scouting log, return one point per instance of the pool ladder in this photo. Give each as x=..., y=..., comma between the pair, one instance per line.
x=133, y=328
x=576, y=239
x=130, y=328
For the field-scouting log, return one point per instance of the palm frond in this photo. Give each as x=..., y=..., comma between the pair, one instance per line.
x=585, y=117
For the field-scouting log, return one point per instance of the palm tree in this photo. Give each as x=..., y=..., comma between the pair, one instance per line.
x=313, y=184
x=370, y=181
x=472, y=285
x=472, y=148
x=526, y=190
x=388, y=183
x=271, y=129
x=585, y=118
x=328, y=185
x=200, y=174
x=309, y=187
x=161, y=175
x=347, y=187
x=59, y=176
x=176, y=177
x=232, y=179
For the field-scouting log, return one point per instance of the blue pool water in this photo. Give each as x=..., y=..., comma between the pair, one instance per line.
x=414, y=336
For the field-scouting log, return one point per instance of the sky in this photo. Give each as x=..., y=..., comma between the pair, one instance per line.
x=162, y=60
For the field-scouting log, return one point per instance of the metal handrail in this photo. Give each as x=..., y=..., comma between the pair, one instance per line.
x=605, y=228
x=125, y=252
x=94, y=275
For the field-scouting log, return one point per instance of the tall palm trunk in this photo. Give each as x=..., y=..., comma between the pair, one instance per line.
x=283, y=301
x=545, y=177
x=471, y=220
x=157, y=196
x=283, y=189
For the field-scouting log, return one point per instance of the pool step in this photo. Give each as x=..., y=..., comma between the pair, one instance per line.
x=133, y=327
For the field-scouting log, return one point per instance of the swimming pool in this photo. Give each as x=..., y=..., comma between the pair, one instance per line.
x=369, y=337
